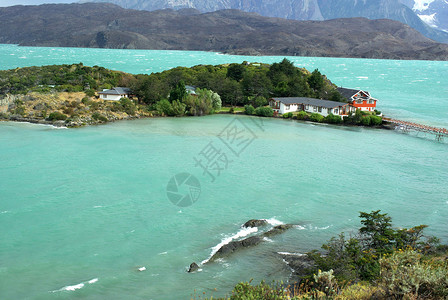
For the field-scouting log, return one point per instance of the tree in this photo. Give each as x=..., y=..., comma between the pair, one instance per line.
x=377, y=232
x=179, y=92
x=236, y=72
x=201, y=103
x=316, y=80
x=216, y=102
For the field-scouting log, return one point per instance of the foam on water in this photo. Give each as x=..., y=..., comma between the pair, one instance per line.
x=291, y=253
x=274, y=222
x=243, y=232
x=72, y=288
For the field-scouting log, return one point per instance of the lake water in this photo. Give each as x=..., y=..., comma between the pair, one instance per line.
x=81, y=210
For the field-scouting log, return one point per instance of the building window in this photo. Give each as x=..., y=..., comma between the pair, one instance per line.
x=287, y=107
x=320, y=109
x=336, y=111
x=314, y=108
x=370, y=101
x=359, y=101
x=307, y=107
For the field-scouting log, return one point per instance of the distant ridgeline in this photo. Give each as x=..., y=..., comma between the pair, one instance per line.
x=209, y=87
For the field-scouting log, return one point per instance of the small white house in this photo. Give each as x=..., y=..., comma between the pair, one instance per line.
x=311, y=105
x=115, y=93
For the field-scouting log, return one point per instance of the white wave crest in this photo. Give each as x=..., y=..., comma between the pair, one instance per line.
x=268, y=240
x=240, y=234
x=71, y=288
x=291, y=253
x=274, y=222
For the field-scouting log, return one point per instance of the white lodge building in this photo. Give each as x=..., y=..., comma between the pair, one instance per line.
x=115, y=94
x=311, y=105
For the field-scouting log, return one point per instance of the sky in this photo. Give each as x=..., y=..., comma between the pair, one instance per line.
x=32, y=2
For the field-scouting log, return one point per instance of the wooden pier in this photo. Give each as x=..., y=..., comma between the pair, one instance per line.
x=405, y=126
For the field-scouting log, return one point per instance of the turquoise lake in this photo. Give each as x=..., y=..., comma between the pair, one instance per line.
x=81, y=210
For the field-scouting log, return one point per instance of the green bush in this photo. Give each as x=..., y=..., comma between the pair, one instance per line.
x=246, y=291
x=178, y=108
x=128, y=106
x=333, y=119
x=85, y=101
x=365, y=120
x=405, y=273
x=302, y=115
x=90, y=93
x=232, y=110
x=288, y=115
x=99, y=117
x=57, y=116
x=249, y=109
x=164, y=107
x=264, y=111
x=376, y=120
x=315, y=117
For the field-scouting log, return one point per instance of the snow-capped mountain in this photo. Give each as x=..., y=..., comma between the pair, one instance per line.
x=432, y=12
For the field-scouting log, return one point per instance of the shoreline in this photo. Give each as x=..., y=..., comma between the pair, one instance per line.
x=62, y=124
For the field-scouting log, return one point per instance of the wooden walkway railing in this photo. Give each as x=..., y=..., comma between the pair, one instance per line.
x=440, y=133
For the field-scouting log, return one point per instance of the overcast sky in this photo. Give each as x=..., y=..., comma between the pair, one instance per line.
x=32, y=2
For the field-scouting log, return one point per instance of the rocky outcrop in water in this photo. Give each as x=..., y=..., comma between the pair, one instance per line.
x=255, y=223
x=193, y=268
x=235, y=246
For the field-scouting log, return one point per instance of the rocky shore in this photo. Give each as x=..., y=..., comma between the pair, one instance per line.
x=62, y=109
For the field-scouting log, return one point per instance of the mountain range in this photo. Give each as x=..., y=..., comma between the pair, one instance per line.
x=105, y=25
x=427, y=19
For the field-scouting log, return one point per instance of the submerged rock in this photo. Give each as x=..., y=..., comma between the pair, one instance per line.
x=300, y=264
x=237, y=245
x=255, y=223
x=193, y=268
x=278, y=229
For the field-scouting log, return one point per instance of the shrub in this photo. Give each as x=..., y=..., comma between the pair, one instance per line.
x=365, y=120
x=178, y=108
x=90, y=93
x=249, y=109
x=164, y=107
x=57, y=116
x=376, y=120
x=85, y=101
x=315, y=117
x=69, y=111
x=128, y=106
x=232, y=110
x=360, y=291
x=377, y=112
x=302, y=115
x=264, y=111
x=245, y=290
x=404, y=273
x=326, y=283
x=287, y=115
x=99, y=117
x=333, y=119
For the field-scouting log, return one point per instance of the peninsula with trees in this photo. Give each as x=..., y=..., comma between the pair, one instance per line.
x=77, y=95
